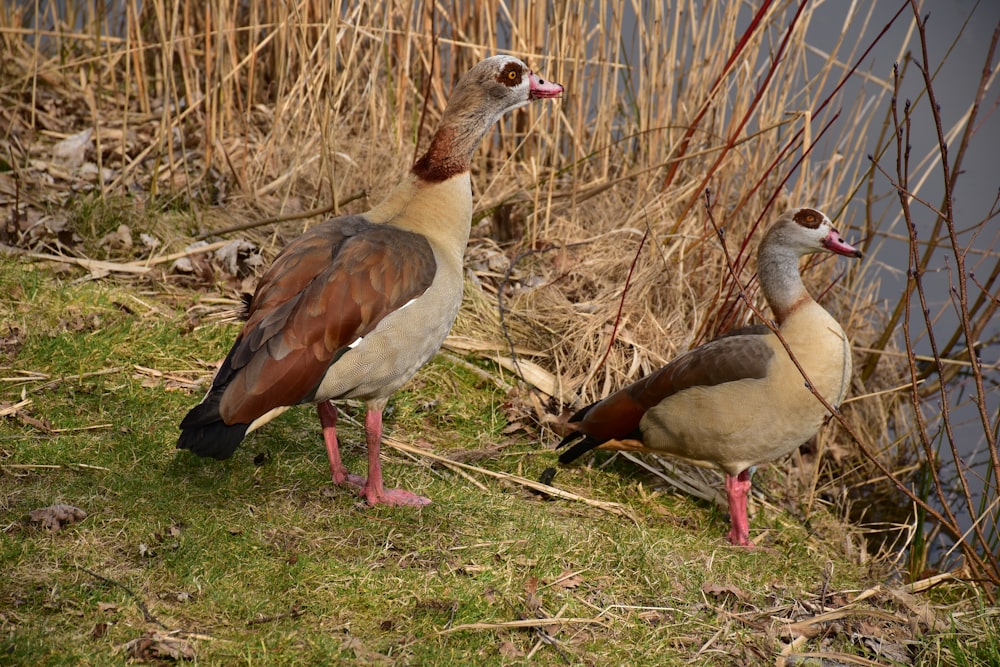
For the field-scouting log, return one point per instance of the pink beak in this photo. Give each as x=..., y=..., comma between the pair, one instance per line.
x=834, y=242
x=541, y=88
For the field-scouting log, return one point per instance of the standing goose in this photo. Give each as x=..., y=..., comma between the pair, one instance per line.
x=356, y=305
x=738, y=400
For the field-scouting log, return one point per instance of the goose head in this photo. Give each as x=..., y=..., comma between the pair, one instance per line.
x=805, y=231
x=483, y=94
x=798, y=232
x=497, y=85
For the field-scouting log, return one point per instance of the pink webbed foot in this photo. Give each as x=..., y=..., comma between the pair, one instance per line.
x=373, y=492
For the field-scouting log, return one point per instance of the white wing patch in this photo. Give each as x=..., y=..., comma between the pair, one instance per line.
x=358, y=340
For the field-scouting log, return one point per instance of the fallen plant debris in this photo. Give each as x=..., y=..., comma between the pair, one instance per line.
x=364, y=654
x=54, y=517
x=146, y=614
x=155, y=645
x=21, y=412
x=614, y=508
x=724, y=592
x=294, y=612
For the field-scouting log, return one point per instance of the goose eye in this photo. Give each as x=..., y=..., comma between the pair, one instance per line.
x=511, y=75
x=808, y=218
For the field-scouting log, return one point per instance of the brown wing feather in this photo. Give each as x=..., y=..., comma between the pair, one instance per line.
x=329, y=287
x=729, y=358
x=725, y=359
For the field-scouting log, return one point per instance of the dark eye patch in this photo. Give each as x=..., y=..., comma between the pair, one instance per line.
x=511, y=75
x=807, y=217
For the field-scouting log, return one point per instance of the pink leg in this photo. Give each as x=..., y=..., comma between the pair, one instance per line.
x=737, y=489
x=328, y=417
x=373, y=490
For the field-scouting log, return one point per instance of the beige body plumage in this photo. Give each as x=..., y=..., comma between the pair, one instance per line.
x=778, y=409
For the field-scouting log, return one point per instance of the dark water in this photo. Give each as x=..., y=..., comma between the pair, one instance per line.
x=959, y=34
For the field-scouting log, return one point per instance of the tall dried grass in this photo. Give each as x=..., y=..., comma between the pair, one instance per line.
x=592, y=227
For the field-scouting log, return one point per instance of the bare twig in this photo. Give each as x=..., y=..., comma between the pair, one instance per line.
x=146, y=614
x=613, y=508
x=316, y=212
x=294, y=612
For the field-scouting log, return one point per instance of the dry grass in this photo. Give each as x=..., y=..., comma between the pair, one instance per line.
x=592, y=232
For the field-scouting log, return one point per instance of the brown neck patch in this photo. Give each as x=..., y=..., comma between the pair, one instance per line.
x=440, y=162
x=782, y=313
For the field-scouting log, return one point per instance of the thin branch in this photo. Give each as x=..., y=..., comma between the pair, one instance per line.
x=146, y=614
x=316, y=212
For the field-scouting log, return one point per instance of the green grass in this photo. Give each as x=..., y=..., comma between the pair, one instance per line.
x=258, y=560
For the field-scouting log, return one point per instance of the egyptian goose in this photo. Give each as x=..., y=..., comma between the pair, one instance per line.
x=356, y=305
x=738, y=400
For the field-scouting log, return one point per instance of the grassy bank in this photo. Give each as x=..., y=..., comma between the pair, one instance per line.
x=258, y=560
x=128, y=138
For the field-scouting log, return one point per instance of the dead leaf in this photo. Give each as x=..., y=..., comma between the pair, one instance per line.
x=568, y=580
x=148, y=241
x=423, y=443
x=71, y=150
x=512, y=427
x=54, y=517
x=11, y=342
x=920, y=609
x=40, y=424
x=107, y=606
x=652, y=617
x=238, y=258
x=157, y=646
x=530, y=599
x=883, y=648
x=723, y=591
x=509, y=650
x=363, y=653
x=119, y=240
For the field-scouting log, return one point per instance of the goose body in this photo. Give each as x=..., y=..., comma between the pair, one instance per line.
x=739, y=400
x=356, y=305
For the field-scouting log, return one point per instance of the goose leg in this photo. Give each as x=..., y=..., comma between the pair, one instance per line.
x=328, y=418
x=373, y=491
x=737, y=489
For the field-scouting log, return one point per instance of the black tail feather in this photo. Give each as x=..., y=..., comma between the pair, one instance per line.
x=204, y=433
x=585, y=444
